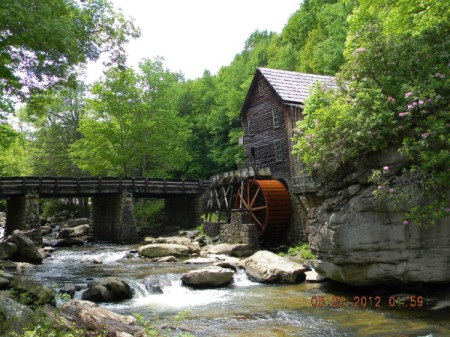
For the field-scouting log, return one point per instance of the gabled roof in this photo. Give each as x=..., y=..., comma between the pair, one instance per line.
x=292, y=87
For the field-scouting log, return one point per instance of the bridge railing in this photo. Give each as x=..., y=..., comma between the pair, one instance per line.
x=98, y=185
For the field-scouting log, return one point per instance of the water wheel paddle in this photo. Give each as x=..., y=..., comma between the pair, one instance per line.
x=268, y=204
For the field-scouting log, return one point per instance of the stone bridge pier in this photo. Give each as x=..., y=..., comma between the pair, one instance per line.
x=185, y=211
x=113, y=218
x=22, y=213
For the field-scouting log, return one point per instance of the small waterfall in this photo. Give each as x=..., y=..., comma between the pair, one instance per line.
x=2, y=232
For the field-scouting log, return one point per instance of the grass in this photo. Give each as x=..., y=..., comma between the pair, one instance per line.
x=302, y=252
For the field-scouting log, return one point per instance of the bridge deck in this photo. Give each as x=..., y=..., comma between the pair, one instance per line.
x=92, y=186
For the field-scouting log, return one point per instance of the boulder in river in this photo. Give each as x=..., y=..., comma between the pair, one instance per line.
x=7, y=250
x=5, y=279
x=194, y=247
x=237, y=250
x=267, y=267
x=26, y=249
x=90, y=317
x=208, y=278
x=110, y=289
x=163, y=249
x=46, y=230
x=14, y=316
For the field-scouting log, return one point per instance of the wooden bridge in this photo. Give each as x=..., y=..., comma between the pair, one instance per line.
x=140, y=187
x=111, y=199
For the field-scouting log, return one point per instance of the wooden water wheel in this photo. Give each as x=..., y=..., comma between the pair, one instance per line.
x=268, y=204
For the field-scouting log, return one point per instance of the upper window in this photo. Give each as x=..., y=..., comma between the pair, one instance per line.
x=278, y=151
x=276, y=118
x=261, y=89
x=251, y=127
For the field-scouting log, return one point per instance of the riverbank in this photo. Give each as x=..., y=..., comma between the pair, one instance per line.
x=244, y=308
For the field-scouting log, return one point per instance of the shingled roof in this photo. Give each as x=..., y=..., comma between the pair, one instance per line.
x=292, y=87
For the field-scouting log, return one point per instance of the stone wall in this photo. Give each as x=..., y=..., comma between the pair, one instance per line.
x=297, y=232
x=212, y=229
x=113, y=218
x=240, y=230
x=23, y=214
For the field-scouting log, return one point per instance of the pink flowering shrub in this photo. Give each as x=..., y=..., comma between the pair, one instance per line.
x=394, y=94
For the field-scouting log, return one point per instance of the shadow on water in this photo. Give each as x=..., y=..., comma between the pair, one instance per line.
x=244, y=308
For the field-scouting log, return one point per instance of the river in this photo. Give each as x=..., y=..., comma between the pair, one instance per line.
x=243, y=309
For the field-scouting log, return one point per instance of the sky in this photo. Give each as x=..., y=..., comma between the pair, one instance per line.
x=194, y=35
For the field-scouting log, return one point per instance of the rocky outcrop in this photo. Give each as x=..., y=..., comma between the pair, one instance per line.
x=360, y=240
x=163, y=249
x=26, y=249
x=109, y=289
x=208, y=278
x=93, y=320
x=267, y=267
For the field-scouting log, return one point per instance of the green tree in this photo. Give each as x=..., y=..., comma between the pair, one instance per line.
x=16, y=155
x=55, y=117
x=41, y=42
x=317, y=32
x=133, y=126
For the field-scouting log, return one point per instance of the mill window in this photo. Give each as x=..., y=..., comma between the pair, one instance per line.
x=278, y=151
x=276, y=118
x=261, y=90
x=251, y=127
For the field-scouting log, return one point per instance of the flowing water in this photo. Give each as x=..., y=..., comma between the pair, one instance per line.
x=244, y=308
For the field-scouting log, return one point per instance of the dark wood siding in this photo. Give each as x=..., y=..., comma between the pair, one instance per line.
x=259, y=110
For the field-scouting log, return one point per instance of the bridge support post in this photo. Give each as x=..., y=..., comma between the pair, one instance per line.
x=113, y=218
x=22, y=213
x=185, y=211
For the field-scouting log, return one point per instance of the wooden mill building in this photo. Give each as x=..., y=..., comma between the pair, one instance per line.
x=271, y=188
x=273, y=106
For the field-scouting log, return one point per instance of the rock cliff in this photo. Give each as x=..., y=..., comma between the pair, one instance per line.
x=360, y=240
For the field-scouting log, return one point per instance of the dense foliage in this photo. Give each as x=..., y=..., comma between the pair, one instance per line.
x=41, y=42
x=394, y=93
x=390, y=57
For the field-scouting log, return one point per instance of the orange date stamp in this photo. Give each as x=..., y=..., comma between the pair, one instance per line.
x=370, y=301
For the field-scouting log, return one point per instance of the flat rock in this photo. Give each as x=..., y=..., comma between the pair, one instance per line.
x=208, y=278
x=194, y=246
x=267, y=267
x=199, y=260
x=163, y=249
x=167, y=259
x=237, y=250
